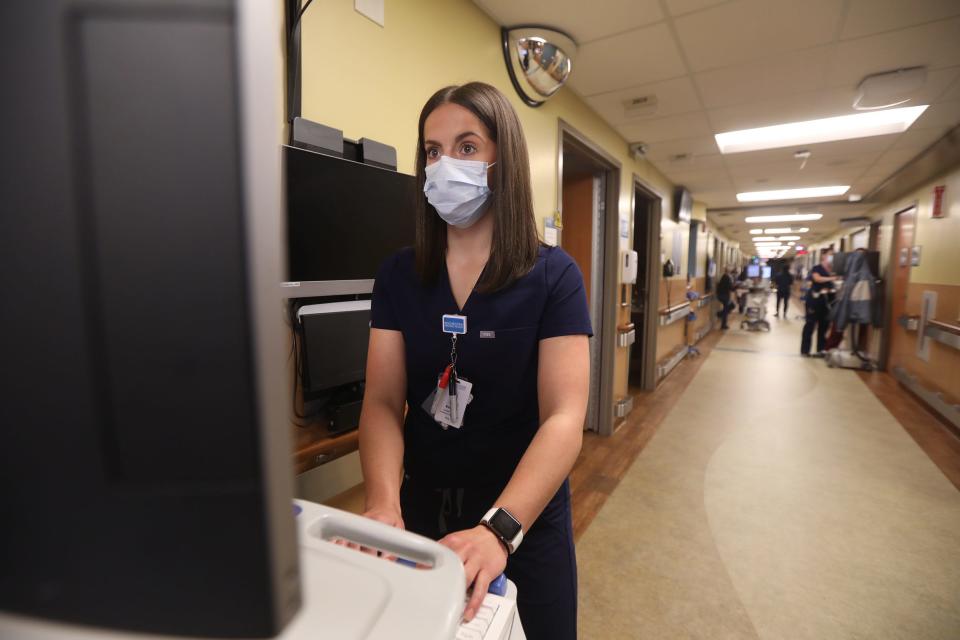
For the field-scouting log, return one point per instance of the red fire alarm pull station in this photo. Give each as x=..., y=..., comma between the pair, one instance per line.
x=938, y=201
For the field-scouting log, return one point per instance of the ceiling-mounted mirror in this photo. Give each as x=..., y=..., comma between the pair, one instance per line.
x=539, y=60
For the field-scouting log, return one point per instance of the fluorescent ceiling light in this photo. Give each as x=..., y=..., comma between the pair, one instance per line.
x=782, y=230
x=792, y=194
x=768, y=245
x=762, y=238
x=788, y=237
x=756, y=231
x=787, y=217
x=857, y=125
x=790, y=244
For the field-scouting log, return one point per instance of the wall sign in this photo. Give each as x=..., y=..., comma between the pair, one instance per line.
x=938, y=201
x=915, y=256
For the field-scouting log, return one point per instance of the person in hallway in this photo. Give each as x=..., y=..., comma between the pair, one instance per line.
x=784, y=282
x=742, y=286
x=481, y=307
x=818, y=305
x=724, y=291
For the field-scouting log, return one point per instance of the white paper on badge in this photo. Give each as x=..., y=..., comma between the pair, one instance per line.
x=442, y=414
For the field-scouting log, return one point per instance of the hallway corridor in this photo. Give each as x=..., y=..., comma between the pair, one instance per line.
x=779, y=499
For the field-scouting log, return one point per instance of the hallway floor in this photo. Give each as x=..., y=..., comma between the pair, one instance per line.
x=778, y=499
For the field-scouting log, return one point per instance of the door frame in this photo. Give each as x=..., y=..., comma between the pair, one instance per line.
x=605, y=338
x=647, y=334
x=889, y=321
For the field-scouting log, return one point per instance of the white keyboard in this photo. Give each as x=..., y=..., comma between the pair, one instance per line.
x=494, y=621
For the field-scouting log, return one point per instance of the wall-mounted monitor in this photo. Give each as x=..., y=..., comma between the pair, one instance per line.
x=682, y=204
x=343, y=217
x=753, y=271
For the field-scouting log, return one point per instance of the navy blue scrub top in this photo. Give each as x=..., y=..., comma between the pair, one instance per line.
x=498, y=355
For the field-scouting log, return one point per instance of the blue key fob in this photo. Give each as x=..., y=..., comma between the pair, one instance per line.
x=499, y=586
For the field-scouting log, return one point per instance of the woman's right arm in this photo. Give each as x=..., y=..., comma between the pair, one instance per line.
x=381, y=425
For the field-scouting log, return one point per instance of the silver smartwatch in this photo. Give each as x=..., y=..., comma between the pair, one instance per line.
x=504, y=526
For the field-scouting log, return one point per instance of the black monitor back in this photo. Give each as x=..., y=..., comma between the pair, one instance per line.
x=141, y=483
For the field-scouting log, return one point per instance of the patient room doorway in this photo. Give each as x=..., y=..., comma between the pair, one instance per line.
x=589, y=184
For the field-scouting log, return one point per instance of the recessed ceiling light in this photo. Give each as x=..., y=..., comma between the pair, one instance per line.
x=756, y=231
x=764, y=238
x=788, y=237
x=792, y=194
x=790, y=244
x=854, y=197
x=802, y=230
x=857, y=125
x=768, y=245
x=780, y=230
x=787, y=217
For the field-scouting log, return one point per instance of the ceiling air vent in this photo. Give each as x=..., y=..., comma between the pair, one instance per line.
x=640, y=106
x=854, y=222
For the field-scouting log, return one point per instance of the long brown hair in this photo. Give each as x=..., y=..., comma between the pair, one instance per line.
x=513, y=252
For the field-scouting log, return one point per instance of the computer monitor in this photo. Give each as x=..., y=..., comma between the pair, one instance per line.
x=753, y=271
x=335, y=337
x=766, y=272
x=144, y=453
x=344, y=218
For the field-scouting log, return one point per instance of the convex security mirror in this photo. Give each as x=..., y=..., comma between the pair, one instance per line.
x=539, y=60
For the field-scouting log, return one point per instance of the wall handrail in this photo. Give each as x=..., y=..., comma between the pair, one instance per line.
x=943, y=332
x=674, y=313
x=945, y=326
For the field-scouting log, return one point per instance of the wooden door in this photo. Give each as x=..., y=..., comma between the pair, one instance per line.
x=900, y=261
x=578, y=223
x=898, y=342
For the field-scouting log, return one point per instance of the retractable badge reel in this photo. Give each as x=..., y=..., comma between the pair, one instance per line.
x=448, y=401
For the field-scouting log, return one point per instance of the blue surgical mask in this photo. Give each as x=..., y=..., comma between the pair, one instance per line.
x=458, y=189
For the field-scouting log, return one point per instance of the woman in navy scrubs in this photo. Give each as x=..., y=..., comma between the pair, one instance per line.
x=525, y=352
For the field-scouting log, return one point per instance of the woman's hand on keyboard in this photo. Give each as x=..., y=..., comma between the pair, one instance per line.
x=484, y=558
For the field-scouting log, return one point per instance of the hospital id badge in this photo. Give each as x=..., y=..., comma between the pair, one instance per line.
x=446, y=408
x=449, y=412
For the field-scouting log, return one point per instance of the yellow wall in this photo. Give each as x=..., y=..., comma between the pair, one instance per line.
x=372, y=81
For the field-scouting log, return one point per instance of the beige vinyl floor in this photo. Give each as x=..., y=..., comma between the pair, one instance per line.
x=778, y=500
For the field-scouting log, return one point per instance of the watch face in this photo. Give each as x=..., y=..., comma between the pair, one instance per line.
x=504, y=523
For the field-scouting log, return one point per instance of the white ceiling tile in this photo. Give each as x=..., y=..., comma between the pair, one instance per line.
x=692, y=163
x=860, y=152
x=582, y=20
x=941, y=114
x=680, y=7
x=897, y=157
x=702, y=146
x=935, y=45
x=781, y=109
x=867, y=17
x=688, y=125
x=638, y=57
x=918, y=138
x=718, y=198
x=777, y=75
x=782, y=178
x=953, y=93
x=750, y=29
x=882, y=169
x=700, y=180
x=673, y=97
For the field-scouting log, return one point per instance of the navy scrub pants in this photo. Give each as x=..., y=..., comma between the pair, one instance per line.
x=817, y=319
x=544, y=567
